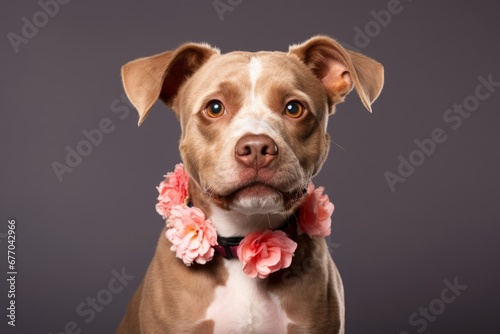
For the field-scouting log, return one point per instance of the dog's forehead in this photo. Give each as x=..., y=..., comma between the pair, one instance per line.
x=241, y=61
x=245, y=68
x=242, y=74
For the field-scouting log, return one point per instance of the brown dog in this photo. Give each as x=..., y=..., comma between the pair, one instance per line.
x=253, y=135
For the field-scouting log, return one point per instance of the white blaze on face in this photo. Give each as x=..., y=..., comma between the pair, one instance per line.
x=255, y=71
x=254, y=116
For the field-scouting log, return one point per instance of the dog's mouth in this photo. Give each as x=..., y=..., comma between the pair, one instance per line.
x=256, y=188
x=258, y=192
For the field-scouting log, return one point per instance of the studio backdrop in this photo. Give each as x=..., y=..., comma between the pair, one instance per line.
x=415, y=183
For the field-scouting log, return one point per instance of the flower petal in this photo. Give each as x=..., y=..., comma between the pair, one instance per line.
x=191, y=233
x=266, y=252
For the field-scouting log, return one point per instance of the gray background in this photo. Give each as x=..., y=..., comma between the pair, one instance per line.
x=394, y=249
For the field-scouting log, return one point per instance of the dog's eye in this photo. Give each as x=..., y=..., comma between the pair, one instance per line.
x=294, y=109
x=215, y=109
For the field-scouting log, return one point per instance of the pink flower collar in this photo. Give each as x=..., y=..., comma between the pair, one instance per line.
x=228, y=247
x=194, y=238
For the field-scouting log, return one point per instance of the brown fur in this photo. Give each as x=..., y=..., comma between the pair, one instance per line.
x=319, y=73
x=169, y=303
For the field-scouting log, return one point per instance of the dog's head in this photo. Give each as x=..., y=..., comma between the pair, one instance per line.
x=253, y=124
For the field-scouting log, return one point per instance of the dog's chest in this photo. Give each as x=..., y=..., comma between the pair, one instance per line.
x=243, y=306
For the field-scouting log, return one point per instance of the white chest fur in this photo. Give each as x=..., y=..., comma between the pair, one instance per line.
x=242, y=306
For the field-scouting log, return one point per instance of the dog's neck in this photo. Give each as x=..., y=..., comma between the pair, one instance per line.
x=236, y=224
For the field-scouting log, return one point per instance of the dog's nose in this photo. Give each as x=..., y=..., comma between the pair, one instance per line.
x=256, y=151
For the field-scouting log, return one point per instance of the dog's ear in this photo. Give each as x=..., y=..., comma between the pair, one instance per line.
x=340, y=69
x=160, y=76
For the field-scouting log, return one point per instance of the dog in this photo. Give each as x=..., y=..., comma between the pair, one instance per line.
x=253, y=134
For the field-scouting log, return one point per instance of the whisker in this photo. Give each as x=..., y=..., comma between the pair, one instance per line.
x=333, y=141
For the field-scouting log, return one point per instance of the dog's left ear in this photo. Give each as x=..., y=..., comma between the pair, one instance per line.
x=160, y=76
x=340, y=69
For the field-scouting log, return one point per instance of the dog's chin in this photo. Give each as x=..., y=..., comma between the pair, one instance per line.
x=257, y=199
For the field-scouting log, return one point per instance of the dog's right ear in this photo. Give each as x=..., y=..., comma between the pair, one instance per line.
x=160, y=76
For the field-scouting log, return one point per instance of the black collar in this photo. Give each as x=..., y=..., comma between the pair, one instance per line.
x=227, y=246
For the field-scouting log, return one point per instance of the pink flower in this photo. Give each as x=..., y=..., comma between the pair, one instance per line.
x=315, y=213
x=172, y=191
x=263, y=253
x=191, y=235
